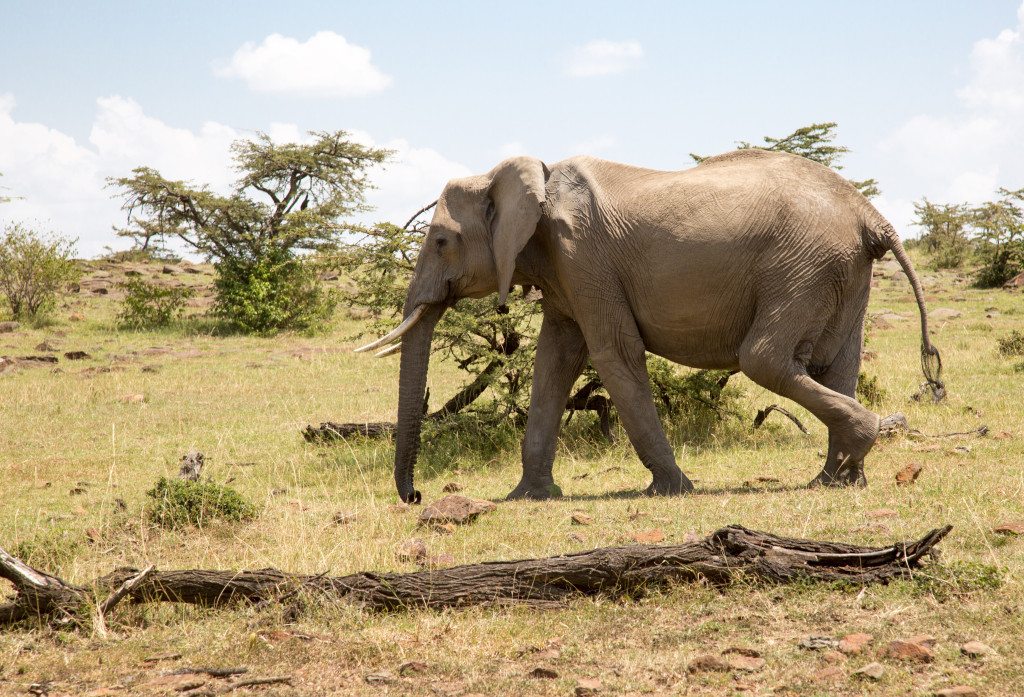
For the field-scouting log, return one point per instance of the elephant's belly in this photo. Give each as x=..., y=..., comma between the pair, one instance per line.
x=697, y=325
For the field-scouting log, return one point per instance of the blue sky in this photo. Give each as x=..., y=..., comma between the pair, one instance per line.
x=930, y=96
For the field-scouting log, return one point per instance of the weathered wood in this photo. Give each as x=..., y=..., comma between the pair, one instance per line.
x=191, y=466
x=731, y=553
x=762, y=414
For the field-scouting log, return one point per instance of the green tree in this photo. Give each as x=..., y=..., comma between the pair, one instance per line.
x=946, y=228
x=289, y=198
x=815, y=142
x=34, y=270
x=999, y=233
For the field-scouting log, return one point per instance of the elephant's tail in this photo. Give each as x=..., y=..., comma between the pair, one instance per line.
x=882, y=237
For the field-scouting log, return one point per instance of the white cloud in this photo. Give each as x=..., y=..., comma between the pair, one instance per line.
x=965, y=155
x=603, y=57
x=325, y=65
x=62, y=183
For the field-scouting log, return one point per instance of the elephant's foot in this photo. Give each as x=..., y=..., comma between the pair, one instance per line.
x=535, y=489
x=848, y=472
x=669, y=483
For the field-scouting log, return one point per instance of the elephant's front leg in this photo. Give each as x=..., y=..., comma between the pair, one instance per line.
x=561, y=355
x=618, y=354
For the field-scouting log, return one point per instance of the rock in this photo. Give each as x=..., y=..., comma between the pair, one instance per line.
x=445, y=528
x=708, y=663
x=380, y=679
x=581, y=518
x=871, y=670
x=923, y=639
x=436, y=561
x=898, y=276
x=412, y=550
x=76, y=355
x=649, y=537
x=957, y=691
x=976, y=649
x=891, y=317
x=544, y=673
x=1012, y=528
x=834, y=657
x=1015, y=282
x=454, y=509
x=908, y=651
x=76, y=317
x=853, y=644
x=586, y=687
x=8, y=327
x=344, y=517
x=133, y=398
x=817, y=643
x=943, y=314
x=46, y=346
x=192, y=269
x=167, y=269
x=452, y=487
x=828, y=674
x=412, y=667
x=101, y=290
x=909, y=474
x=746, y=664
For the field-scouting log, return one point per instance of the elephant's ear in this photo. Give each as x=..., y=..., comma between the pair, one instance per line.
x=517, y=192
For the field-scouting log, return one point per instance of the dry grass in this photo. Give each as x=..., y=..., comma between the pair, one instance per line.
x=242, y=401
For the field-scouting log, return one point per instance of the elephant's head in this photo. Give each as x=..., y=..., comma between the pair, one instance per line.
x=479, y=227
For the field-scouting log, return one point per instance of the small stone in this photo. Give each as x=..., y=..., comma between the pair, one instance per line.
x=45, y=346
x=412, y=550
x=344, y=517
x=445, y=528
x=708, y=663
x=167, y=269
x=908, y=651
x=454, y=509
x=649, y=537
x=976, y=649
x=957, y=691
x=747, y=664
x=92, y=535
x=853, y=644
x=134, y=398
x=943, y=313
x=909, y=474
x=544, y=673
x=76, y=317
x=817, y=643
x=586, y=687
x=400, y=507
x=76, y=355
x=833, y=657
x=1012, y=528
x=828, y=674
x=452, y=487
x=380, y=679
x=871, y=670
x=742, y=651
x=412, y=667
x=8, y=327
x=926, y=640
x=576, y=537
x=581, y=518
x=436, y=561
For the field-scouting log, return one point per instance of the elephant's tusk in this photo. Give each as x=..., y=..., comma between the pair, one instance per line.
x=389, y=351
x=397, y=332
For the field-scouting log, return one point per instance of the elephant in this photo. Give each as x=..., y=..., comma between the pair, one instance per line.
x=754, y=260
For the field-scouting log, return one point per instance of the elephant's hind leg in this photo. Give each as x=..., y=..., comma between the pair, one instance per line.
x=779, y=365
x=841, y=376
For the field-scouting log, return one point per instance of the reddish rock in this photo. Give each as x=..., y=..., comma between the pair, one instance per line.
x=454, y=509
x=909, y=474
x=452, y=487
x=544, y=673
x=581, y=518
x=871, y=670
x=828, y=674
x=1009, y=528
x=649, y=537
x=957, y=691
x=412, y=550
x=708, y=663
x=908, y=651
x=853, y=644
x=976, y=649
x=587, y=687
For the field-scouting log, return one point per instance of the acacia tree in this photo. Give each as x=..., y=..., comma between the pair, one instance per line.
x=945, y=235
x=815, y=142
x=999, y=232
x=289, y=198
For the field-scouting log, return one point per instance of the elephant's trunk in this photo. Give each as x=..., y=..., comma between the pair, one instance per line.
x=412, y=383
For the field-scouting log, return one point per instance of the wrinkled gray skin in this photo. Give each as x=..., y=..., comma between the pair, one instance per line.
x=754, y=261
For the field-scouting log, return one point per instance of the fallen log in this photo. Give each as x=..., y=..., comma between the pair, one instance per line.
x=729, y=554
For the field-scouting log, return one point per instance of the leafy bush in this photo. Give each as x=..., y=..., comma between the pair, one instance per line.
x=271, y=293
x=34, y=270
x=1013, y=344
x=869, y=391
x=179, y=503
x=945, y=237
x=999, y=228
x=150, y=305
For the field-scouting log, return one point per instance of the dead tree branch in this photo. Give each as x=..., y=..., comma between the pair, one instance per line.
x=762, y=414
x=729, y=554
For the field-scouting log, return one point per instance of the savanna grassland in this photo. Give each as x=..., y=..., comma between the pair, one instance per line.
x=83, y=440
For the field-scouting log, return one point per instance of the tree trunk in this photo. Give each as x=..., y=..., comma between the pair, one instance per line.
x=730, y=554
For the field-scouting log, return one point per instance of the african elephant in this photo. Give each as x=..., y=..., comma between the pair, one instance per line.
x=753, y=260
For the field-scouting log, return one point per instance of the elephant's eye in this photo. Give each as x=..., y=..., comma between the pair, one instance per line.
x=441, y=243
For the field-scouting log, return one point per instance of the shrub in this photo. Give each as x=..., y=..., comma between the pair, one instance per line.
x=34, y=270
x=272, y=293
x=869, y=391
x=1013, y=344
x=149, y=305
x=179, y=502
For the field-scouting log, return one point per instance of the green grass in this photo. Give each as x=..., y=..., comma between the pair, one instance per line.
x=77, y=458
